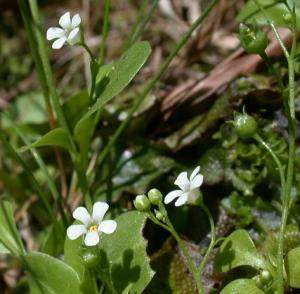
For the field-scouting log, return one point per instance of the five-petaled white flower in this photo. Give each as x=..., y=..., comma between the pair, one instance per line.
x=69, y=31
x=92, y=225
x=188, y=188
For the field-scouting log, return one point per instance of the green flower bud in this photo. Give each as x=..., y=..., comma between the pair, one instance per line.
x=89, y=257
x=159, y=216
x=253, y=41
x=142, y=203
x=155, y=196
x=245, y=125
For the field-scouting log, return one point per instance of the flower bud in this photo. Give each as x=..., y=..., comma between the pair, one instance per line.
x=253, y=41
x=245, y=125
x=288, y=18
x=142, y=203
x=155, y=196
x=159, y=216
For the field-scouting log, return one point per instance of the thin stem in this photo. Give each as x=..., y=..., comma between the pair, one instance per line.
x=212, y=241
x=136, y=24
x=274, y=72
x=31, y=177
x=291, y=158
x=192, y=266
x=42, y=50
x=276, y=160
x=271, y=24
x=153, y=82
x=104, y=34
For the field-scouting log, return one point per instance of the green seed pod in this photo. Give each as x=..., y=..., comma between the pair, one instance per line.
x=89, y=257
x=142, y=203
x=155, y=196
x=253, y=41
x=245, y=125
x=265, y=277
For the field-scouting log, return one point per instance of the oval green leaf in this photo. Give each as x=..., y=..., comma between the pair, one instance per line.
x=242, y=286
x=237, y=250
x=293, y=267
x=49, y=275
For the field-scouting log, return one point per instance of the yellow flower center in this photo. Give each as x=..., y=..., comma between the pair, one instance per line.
x=93, y=228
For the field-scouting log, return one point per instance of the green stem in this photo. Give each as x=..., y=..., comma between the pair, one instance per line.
x=34, y=182
x=212, y=241
x=136, y=24
x=271, y=24
x=153, y=82
x=291, y=159
x=274, y=72
x=42, y=50
x=104, y=32
x=192, y=266
x=276, y=160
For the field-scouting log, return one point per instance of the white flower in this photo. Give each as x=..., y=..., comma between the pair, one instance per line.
x=69, y=31
x=92, y=224
x=188, y=188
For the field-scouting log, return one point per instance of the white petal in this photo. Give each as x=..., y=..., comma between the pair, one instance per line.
x=81, y=214
x=59, y=43
x=195, y=172
x=99, y=210
x=182, y=199
x=91, y=239
x=107, y=226
x=182, y=181
x=74, y=36
x=197, y=181
x=54, y=33
x=172, y=195
x=75, y=231
x=65, y=21
x=76, y=20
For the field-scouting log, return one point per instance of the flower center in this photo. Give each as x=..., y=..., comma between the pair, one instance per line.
x=93, y=228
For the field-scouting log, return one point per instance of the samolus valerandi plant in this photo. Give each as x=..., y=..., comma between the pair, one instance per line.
x=89, y=255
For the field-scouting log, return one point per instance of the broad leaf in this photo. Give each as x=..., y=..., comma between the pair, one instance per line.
x=242, y=286
x=293, y=267
x=124, y=254
x=124, y=71
x=238, y=249
x=9, y=234
x=252, y=14
x=49, y=275
x=56, y=137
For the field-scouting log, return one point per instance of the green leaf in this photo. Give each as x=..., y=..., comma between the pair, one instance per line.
x=53, y=243
x=56, y=137
x=49, y=275
x=242, y=286
x=124, y=254
x=3, y=249
x=83, y=132
x=9, y=234
x=293, y=267
x=124, y=71
x=238, y=249
x=251, y=13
